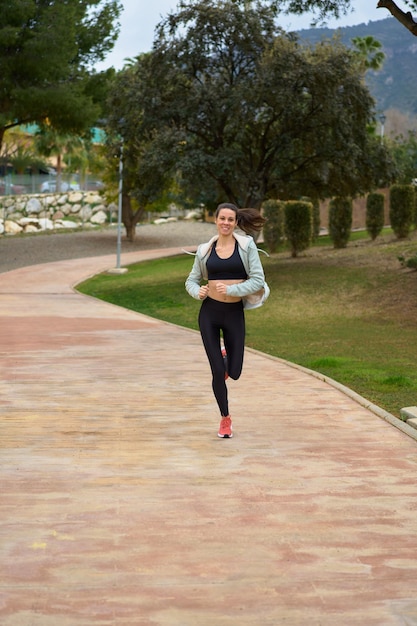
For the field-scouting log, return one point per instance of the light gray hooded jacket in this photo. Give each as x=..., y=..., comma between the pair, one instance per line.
x=253, y=291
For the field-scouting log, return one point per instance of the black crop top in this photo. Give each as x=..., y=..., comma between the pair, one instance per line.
x=224, y=269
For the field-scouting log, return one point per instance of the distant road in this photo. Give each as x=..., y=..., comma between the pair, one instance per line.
x=22, y=250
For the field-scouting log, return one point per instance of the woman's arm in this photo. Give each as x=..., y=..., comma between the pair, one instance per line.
x=193, y=282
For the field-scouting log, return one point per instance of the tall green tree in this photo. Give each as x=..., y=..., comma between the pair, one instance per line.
x=404, y=150
x=247, y=113
x=47, y=50
x=146, y=149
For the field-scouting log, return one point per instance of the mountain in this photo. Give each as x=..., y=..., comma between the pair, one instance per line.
x=395, y=85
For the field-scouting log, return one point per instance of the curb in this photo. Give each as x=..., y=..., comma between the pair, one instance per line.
x=387, y=417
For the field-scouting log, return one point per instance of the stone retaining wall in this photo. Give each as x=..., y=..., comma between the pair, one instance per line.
x=34, y=213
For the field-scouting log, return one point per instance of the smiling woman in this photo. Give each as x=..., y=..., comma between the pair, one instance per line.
x=235, y=280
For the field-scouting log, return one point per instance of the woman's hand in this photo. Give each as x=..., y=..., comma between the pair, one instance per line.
x=203, y=292
x=221, y=288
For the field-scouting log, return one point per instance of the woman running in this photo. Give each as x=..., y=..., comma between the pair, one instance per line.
x=230, y=264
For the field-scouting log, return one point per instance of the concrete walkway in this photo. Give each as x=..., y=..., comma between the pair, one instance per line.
x=121, y=507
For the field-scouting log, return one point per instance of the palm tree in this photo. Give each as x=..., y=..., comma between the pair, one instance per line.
x=368, y=51
x=49, y=142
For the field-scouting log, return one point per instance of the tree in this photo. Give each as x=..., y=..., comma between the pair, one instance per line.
x=404, y=150
x=18, y=152
x=49, y=143
x=147, y=174
x=369, y=52
x=46, y=49
x=246, y=113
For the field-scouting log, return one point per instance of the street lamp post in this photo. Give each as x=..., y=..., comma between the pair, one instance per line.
x=382, y=119
x=118, y=269
x=119, y=209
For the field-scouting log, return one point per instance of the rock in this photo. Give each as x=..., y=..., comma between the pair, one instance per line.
x=46, y=224
x=86, y=213
x=25, y=221
x=93, y=198
x=12, y=228
x=66, y=209
x=193, y=215
x=66, y=224
x=99, y=218
x=31, y=228
x=101, y=207
x=1, y=227
x=14, y=217
x=75, y=197
x=30, y=224
x=33, y=206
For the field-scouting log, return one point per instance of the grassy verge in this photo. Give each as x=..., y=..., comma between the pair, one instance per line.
x=349, y=314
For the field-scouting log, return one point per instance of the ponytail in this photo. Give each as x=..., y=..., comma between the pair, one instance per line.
x=249, y=220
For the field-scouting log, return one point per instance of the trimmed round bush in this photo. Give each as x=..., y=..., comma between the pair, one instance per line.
x=375, y=214
x=401, y=211
x=298, y=225
x=273, y=230
x=340, y=221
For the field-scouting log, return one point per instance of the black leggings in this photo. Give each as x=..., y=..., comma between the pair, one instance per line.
x=227, y=318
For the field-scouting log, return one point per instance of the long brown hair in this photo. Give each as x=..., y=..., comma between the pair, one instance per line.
x=249, y=220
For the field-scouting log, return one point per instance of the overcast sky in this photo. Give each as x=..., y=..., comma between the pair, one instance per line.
x=140, y=17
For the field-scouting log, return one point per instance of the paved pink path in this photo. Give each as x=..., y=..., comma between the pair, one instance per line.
x=120, y=506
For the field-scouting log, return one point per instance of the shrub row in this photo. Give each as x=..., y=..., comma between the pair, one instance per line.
x=298, y=222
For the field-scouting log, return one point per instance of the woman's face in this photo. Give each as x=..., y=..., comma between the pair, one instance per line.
x=226, y=221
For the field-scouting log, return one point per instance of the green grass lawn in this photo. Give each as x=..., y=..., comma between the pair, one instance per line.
x=350, y=314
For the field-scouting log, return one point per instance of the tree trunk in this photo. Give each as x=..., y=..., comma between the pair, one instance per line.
x=130, y=232
x=129, y=218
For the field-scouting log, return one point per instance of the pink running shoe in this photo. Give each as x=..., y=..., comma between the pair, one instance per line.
x=225, y=430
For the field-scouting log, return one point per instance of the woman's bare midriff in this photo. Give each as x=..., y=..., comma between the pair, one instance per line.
x=221, y=297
